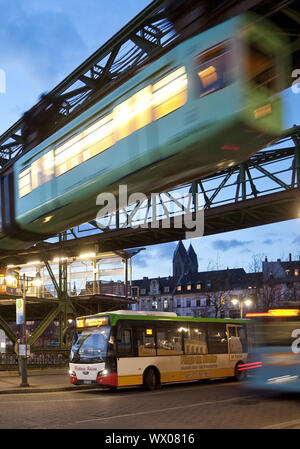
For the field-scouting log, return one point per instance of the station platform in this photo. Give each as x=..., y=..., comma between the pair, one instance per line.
x=41, y=380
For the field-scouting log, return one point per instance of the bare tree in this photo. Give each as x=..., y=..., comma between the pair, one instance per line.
x=218, y=301
x=255, y=264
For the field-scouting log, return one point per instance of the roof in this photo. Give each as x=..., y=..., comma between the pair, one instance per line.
x=229, y=279
x=125, y=314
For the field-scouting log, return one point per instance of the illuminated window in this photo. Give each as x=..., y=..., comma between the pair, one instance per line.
x=133, y=114
x=208, y=76
x=42, y=170
x=169, y=93
x=296, y=272
x=189, y=287
x=198, y=286
x=154, y=304
x=214, y=69
x=179, y=288
x=90, y=142
x=24, y=182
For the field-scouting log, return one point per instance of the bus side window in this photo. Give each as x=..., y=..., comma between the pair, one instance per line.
x=195, y=340
x=169, y=339
x=214, y=69
x=145, y=340
x=217, y=340
x=125, y=342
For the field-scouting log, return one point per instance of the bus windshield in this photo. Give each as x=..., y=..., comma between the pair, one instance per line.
x=91, y=345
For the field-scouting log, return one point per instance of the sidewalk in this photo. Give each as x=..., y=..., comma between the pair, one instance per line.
x=39, y=380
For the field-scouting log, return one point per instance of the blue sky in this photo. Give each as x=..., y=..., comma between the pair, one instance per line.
x=41, y=42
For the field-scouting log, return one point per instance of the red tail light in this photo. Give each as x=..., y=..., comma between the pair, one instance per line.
x=247, y=366
x=230, y=147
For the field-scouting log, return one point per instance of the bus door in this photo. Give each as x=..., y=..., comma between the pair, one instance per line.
x=236, y=339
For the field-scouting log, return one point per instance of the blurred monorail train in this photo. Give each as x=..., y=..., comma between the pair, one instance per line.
x=207, y=104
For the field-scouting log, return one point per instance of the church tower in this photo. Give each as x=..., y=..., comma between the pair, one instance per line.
x=179, y=258
x=184, y=262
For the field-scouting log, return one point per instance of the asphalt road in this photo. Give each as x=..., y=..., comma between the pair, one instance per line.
x=205, y=405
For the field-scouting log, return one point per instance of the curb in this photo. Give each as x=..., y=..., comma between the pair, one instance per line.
x=29, y=389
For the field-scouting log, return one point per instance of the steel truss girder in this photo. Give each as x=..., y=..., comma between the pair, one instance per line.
x=7, y=329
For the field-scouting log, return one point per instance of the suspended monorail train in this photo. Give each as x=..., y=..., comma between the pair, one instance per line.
x=209, y=103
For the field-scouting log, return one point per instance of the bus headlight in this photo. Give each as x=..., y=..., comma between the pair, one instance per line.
x=103, y=372
x=72, y=373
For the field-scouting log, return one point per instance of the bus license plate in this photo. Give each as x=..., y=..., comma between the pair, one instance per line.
x=87, y=382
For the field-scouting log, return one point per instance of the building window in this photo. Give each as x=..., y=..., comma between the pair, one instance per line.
x=296, y=272
x=178, y=304
x=208, y=284
x=179, y=288
x=154, y=305
x=189, y=287
x=287, y=272
x=166, y=289
x=188, y=303
x=198, y=303
x=143, y=291
x=198, y=286
x=166, y=304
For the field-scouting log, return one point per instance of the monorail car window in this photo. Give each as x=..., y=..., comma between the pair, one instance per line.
x=214, y=69
x=261, y=68
x=42, y=170
x=169, y=93
x=133, y=113
x=90, y=142
x=25, y=182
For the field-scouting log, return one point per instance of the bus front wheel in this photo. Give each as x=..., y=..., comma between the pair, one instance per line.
x=151, y=381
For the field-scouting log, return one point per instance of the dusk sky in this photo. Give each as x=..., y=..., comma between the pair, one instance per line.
x=41, y=42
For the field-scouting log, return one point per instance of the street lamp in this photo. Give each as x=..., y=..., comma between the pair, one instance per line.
x=23, y=358
x=242, y=303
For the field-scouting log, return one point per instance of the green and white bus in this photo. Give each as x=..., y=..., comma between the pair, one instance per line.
x=126, y=348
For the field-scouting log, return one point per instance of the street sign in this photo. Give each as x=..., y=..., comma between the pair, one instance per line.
x=19, y=311
x=23, y=350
